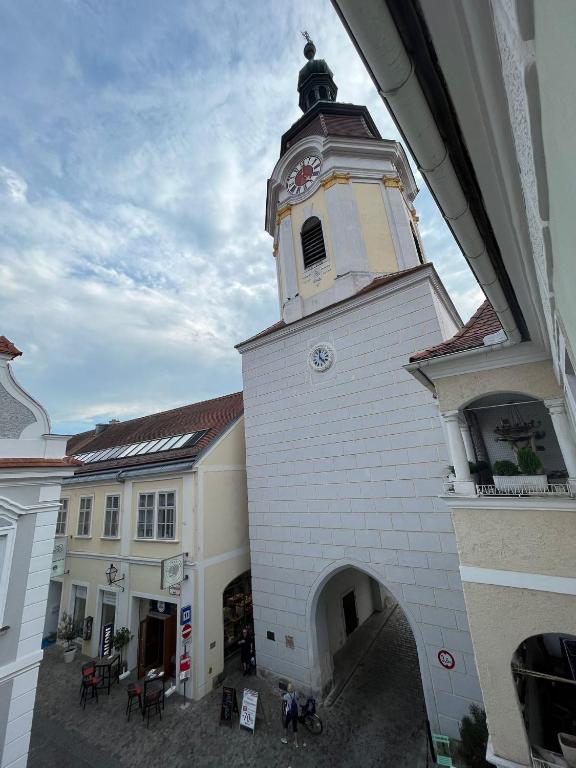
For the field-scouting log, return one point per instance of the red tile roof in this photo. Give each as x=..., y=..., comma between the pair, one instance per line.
x=212, y=415
x=7, y=348
x=482, y=323
x=36, y=463
x=376, y=283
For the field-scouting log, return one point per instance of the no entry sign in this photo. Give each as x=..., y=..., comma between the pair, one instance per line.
x=186, y=631
x=446, y=659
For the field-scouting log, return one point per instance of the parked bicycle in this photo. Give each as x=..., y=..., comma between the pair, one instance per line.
x=308, y=717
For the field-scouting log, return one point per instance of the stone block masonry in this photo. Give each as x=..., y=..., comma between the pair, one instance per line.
x=344, y=470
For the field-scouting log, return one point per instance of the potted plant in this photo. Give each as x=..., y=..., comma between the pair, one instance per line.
x=505, y=474
x=474, y=736
x=67, y=633
x=531, y=470
x=120, y=641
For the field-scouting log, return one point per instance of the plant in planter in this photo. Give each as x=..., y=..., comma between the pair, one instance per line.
x=527, y=474
x=67, y=633
x=120, y=641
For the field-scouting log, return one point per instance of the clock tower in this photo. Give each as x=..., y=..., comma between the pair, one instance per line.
x=345, y=452
x=339, y=203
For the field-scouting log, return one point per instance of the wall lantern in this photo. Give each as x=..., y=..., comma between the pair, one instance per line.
x=111, y=575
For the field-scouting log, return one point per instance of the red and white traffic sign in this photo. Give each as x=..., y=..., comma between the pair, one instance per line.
x=186, y=631
x=446, y=659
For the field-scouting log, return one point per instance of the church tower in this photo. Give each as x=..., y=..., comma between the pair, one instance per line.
x=345, y=453
x=339, y=203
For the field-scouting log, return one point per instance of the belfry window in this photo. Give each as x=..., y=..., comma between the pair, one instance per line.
x=313, y=249
x=417, y=244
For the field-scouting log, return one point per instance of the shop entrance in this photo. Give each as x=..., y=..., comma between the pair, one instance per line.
x=237, y=612
x=107, y=621
x=157, y=638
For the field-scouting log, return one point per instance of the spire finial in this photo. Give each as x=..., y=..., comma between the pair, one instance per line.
x=309, y=48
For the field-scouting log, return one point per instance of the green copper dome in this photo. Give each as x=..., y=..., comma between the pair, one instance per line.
x=315, y=81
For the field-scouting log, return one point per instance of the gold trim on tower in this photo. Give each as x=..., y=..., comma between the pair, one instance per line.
x=275, y=250
x=283, y=212
x=393, y=181
x=335, y=178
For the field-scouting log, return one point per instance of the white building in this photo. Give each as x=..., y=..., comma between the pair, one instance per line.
x=345, y=450
x=482, y=93
x=31, y=471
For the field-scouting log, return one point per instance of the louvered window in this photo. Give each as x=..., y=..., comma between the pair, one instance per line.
x=313, y=249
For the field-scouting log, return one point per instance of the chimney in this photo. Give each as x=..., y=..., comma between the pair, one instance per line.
x=99, y=428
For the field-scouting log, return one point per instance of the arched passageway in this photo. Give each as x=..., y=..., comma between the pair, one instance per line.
x=367, y=663
x=544, y=670
x=236, y=612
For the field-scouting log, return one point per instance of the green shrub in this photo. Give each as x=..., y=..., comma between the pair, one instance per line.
x=505, y=467
x=474, y=736
x=528, y=462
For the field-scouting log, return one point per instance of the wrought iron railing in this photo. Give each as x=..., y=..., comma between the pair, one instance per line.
x=551, y=489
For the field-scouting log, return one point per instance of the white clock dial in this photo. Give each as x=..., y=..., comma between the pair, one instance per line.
x=321, y=357
x=303, y=175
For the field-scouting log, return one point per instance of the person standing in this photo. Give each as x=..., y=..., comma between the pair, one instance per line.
x=290, y=715
x=246, y=644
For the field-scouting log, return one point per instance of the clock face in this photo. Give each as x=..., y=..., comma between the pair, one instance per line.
x=303, y=175
x=321, y=357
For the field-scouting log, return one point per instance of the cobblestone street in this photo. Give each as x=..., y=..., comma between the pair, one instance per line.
x=378, y=720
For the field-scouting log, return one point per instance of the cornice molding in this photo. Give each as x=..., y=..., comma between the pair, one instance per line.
x=536, y=504
x=337, y=310
x=335, y=177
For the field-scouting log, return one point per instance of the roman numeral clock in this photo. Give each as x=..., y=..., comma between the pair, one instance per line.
x=303, y=175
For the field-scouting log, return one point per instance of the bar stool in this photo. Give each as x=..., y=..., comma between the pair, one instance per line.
x=90, y=682
x=134, y=692
x=152, y=702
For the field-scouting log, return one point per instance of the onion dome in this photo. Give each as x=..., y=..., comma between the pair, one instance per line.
x=315, y=81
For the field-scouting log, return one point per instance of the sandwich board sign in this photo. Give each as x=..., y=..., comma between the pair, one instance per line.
x=229, y=705
x=248, y=709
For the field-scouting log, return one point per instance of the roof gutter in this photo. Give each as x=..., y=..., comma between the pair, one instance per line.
x=378, y=41
x=125, y=474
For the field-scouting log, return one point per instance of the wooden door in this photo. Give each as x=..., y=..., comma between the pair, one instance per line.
x=350, y=614
x=142, y=648
x=169, y=650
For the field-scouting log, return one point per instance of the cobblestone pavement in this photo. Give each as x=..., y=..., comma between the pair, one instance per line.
x=378, y=720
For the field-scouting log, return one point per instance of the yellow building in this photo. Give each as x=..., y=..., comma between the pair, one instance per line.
x=150, y=490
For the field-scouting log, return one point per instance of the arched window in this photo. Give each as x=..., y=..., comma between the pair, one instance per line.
x=313, y=249
x=323, y=93
x=417, y=244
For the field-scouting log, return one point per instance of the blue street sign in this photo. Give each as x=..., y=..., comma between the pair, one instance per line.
x=186, y=614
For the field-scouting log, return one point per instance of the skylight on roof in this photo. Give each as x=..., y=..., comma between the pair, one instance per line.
x=157, y=445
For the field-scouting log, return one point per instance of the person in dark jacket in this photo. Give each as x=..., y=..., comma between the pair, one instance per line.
x=246, y=644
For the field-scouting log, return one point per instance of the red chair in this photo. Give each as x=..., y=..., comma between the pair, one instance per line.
x=134, y=692
x=152, y=701
x=90, y=682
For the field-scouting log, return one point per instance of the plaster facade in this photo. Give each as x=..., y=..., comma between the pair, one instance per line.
x=344, y=469
x=211, y=528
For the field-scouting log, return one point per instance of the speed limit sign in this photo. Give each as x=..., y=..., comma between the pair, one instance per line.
x=446, y=659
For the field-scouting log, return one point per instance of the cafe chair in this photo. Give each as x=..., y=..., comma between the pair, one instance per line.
x=152, y=703
x=90, y=683
x=134, y=692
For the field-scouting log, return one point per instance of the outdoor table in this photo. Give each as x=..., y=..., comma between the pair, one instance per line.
x=109, y=667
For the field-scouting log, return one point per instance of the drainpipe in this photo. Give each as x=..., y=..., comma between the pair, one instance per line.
x=393, y=72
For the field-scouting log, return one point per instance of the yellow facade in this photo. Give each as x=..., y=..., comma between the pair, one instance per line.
x=211, y=527
x=375, y=228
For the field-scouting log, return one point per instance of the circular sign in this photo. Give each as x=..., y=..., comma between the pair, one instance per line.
x=186, y=631
x=446, y=659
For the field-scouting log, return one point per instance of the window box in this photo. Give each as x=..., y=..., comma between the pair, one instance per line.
x=529, y=482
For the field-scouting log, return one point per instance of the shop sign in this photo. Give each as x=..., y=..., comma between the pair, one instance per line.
x=229, y=705
x=184, y=666
x=186, y=631
x=249, y=706
x=172, y=572
x=174, y=590
x=107, y=639
x=186, y=614
x=59, y=555
x=446, y=659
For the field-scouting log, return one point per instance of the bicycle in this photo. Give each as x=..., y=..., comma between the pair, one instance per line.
x=309, y=719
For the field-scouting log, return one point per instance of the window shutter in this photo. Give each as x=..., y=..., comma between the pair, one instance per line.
x=313, y=249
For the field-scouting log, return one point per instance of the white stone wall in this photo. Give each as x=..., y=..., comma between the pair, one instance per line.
x=345, y=468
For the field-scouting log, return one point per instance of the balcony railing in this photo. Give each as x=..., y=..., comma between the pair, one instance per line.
x=552, y=489
x=538, y=762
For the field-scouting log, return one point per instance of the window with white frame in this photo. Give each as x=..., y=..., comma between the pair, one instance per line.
x=79, y=595
x=157, y=515
x=62, y=518
x=111, y=516
x=84, y=516
x=7, y=536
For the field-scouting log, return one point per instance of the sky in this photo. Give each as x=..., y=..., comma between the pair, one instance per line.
x=136, y=139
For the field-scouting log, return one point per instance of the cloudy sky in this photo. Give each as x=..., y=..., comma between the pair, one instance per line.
x=136, y=138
